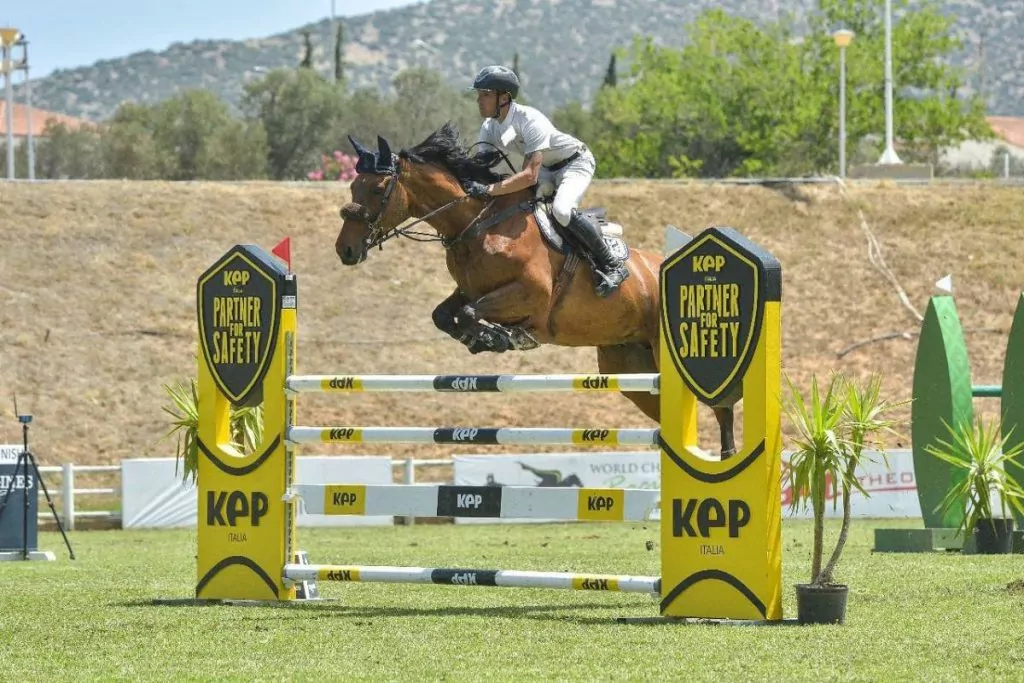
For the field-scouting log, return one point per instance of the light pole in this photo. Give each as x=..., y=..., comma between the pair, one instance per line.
x=8, y=36
x=843, y=38
x=889, y=156
x=23, y=65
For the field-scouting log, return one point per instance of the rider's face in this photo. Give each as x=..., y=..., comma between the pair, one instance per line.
x=486, y=102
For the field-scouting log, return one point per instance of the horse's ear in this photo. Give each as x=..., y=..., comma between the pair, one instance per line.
x=384, y=152
x=360, y=150
x=367, y=162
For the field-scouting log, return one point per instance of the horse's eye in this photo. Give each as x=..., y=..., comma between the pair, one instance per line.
x=377, y=190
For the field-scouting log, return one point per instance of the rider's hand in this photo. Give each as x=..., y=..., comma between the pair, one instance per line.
x=477, y=190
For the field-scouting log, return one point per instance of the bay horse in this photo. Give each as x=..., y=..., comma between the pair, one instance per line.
x=512, y=291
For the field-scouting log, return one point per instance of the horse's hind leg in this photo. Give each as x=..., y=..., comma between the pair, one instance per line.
x=728, y=439
x=632, y=358
x=640, y=358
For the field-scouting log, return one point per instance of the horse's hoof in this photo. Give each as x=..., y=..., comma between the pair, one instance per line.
x=728, y=453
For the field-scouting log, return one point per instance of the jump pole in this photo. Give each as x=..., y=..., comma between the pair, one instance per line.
x=721, y=540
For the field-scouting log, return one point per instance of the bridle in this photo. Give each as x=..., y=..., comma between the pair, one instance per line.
x=378, y=234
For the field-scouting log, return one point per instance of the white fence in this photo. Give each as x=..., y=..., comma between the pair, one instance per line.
x=65, y=495
x=892, y=487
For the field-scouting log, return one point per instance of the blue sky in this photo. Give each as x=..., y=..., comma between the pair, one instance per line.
x=69, y=33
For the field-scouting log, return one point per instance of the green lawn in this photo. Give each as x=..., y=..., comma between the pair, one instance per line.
x=911, y=617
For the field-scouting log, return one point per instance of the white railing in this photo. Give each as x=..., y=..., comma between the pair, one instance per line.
x=67, y=493
x=65, y=496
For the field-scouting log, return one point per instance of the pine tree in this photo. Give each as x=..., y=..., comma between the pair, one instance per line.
x=610, y=77
x=339, y=52
x=307, y=58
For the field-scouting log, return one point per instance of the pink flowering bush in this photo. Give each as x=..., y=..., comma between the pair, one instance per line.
x=338, y=166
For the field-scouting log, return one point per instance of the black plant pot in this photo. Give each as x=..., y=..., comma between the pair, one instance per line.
x=994, y=536
x=821, y=604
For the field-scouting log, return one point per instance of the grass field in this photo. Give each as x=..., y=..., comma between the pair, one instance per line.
x=927, y=617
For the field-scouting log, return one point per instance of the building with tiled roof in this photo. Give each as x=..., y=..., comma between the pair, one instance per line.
x=40, y=117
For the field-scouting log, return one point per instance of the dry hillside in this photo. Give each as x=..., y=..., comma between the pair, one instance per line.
x=97, y=286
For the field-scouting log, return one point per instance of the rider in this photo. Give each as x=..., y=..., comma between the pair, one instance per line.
x=547, y=153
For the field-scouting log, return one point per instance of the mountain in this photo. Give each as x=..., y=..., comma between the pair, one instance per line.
x=563, y=46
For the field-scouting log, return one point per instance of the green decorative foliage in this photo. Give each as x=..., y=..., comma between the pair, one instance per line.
x=987, y=467
x=246, y=428
x=833, y=426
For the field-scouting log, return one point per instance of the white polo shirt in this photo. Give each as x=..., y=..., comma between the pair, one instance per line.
x=524, y=131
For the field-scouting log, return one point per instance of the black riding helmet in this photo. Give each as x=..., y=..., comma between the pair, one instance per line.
x=498, y=78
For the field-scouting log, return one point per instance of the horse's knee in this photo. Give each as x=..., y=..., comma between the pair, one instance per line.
x=443, y=318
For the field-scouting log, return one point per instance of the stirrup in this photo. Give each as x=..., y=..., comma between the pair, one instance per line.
x=608, y=282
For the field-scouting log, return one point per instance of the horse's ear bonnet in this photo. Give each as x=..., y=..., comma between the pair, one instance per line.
x=381, y=162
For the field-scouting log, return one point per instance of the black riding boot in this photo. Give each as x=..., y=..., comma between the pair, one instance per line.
x=611, y=272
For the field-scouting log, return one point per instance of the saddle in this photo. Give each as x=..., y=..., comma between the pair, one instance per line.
x=560, y=240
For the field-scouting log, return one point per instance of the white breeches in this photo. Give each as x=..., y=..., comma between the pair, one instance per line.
x=569, y=183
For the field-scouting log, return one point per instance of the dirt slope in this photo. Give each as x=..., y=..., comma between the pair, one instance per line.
x=97, y=298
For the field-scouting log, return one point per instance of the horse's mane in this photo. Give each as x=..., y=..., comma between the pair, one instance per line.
x=442, y=148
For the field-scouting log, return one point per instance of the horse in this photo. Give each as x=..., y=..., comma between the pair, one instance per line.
x=513, y=290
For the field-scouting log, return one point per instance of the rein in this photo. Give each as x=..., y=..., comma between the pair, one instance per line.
x=379, y=236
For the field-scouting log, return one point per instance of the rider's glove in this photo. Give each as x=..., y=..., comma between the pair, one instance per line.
x=477, y=190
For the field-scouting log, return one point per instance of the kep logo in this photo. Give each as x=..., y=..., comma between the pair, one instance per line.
x=708, y=263
x=344, y=500
x=695, y=517
x=464, y=434
x=468, y=501
x=236, y=278
x=228, y=508
x=340, y=575
x=464, y=578
x=464, y=384
x=592, y=435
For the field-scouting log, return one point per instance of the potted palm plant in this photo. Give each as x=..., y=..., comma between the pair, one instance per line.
x=978, y=450
x=246, y=427
x=833, y=427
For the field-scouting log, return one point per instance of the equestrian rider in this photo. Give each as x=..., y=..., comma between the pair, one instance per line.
x=548, y=155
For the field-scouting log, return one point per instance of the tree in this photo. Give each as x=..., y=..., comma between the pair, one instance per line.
x=297, y=109
x=610, y=77
x=730, y=102
x=576, y=121
x=515, y=64
x=423, y=102
x=339, y=54
x=197, y=138
x=65, y=153
x=128, y=149
x=928, y=114
x=744, y=99
x=307, y=54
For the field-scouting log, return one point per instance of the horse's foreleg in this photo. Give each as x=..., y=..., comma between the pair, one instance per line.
x=728, y=440
x=493, y=312
x=444, y=317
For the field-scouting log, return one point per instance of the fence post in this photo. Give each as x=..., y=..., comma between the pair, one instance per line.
x=408, y=478
x=67, y=494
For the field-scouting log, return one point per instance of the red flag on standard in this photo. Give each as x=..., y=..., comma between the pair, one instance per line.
x=283, y=251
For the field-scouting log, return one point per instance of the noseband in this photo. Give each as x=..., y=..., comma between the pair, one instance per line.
x=357, y=212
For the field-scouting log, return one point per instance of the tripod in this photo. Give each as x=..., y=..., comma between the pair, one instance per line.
x=24, y=459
